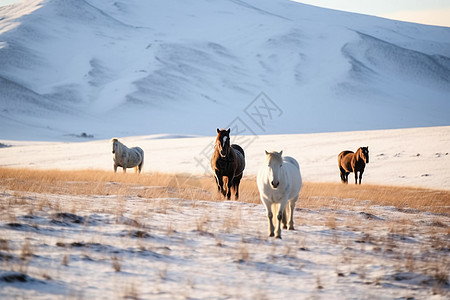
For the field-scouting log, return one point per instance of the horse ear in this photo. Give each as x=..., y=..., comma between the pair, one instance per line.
x=218, y=130
x=281, y=153
x=229, y=129
x=267, y=153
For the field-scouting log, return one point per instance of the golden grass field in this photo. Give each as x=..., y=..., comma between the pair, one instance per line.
x=151, y=185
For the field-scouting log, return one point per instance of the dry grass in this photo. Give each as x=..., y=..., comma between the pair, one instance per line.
x=159, y=185
x=95, y=182
x=315, y=195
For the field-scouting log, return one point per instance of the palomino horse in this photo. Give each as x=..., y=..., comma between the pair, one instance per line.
x=227, y=163
x=353, y=162
x=127, y=158
x=279, y=183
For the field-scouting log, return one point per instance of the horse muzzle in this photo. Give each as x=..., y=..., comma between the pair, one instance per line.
x=275, y=184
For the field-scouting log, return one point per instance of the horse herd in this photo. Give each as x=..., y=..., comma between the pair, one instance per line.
x=279, y=180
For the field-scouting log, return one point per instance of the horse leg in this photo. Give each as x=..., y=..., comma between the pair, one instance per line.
x=281, y=208
x=217, y=183
x=124, y=170
x=286, y=214
x=346, y=177
x=269, y=216
x=291, y=208
x=356, y=177
x=342, y=171
x=236, y=182
x=115, y=168
x=225, y=188
x=219, y=180
x=360, y=176
x=229, y=184
x=279, y=218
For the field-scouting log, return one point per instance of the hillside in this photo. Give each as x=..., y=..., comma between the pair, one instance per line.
x=121, y=68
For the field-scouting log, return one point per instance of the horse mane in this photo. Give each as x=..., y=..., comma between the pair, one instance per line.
x=121, y=147
x=113, y=140
x=276, y=155
x=359, y=154
x=217, y=137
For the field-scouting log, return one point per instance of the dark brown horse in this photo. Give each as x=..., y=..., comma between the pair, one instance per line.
x=228, y=163
x=353, y=162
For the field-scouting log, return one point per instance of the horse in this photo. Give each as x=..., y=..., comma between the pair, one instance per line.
x=127, y=157
x=279, y=183
x=228, y=164
x=353, y=162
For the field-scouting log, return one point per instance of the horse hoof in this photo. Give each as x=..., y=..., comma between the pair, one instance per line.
x=291, y=228
x=278, y=237
x=271, y=234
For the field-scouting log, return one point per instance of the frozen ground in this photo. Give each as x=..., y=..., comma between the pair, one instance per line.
x=113, y=247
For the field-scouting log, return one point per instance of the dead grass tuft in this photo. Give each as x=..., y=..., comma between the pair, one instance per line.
x=65, y=260
x=26, y=251
x=116, y=264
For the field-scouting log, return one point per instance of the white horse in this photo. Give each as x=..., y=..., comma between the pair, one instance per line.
x=279, y=183
x=127, y=158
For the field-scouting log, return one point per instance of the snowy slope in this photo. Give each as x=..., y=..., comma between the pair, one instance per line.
x=116, y=68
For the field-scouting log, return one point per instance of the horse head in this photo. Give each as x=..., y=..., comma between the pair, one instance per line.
x=364, y=154
x=274, y=162
x=223, y=142
x=114, y=142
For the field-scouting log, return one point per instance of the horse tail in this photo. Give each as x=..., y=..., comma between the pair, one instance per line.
x=342, y=155
x=141, y=165
x=141, y=153
x=340, y=159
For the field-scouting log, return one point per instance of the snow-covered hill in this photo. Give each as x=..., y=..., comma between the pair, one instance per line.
x=136, y=67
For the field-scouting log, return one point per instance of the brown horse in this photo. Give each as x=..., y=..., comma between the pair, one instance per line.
x=228, y=163
x=353, y=162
